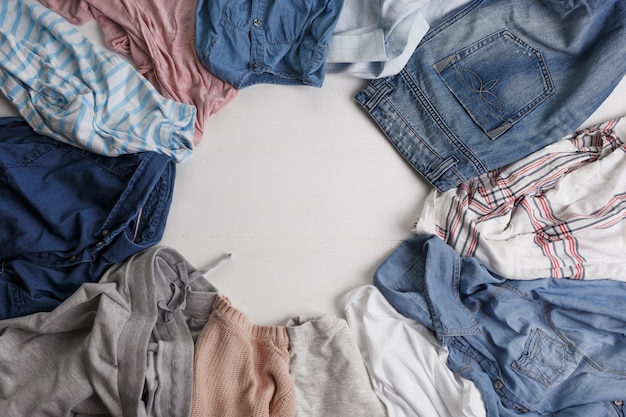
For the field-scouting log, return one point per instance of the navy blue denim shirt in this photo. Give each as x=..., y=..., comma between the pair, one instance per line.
x=67, y=214
x=541, y=347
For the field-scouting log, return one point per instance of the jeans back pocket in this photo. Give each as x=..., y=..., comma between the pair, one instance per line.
x=498, y=80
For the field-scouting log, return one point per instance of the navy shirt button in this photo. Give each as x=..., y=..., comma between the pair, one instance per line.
x=72, y=258
x=105, y=232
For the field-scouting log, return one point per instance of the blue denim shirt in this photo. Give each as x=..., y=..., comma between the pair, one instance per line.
x=246, y=42
x=67, y=214
x=497, y=80
x=541, y=347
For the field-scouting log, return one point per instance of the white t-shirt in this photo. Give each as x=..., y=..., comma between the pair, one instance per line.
x=406, y=364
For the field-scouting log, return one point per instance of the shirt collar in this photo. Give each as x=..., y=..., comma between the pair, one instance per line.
x=421, y=280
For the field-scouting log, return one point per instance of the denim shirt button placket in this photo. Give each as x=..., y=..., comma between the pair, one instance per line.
x=256, y=22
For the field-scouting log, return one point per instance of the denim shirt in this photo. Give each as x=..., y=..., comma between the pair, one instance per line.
x=67, y=215
x=540, y=347
x=247, y=42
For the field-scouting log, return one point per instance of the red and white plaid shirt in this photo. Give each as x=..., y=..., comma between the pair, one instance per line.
x=556, y=213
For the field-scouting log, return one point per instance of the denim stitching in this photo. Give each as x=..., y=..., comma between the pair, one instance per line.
x=473, y=81
x=475, y=84
x=529, y=363
x=434, y=115
x=547, y=309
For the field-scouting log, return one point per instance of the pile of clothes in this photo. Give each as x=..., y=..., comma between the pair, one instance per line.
x=507, y=301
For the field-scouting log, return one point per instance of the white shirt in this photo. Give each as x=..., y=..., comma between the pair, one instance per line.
x=558, y=212
x=406, y=364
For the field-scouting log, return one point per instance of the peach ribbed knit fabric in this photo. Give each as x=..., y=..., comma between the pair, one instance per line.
x=241, y=369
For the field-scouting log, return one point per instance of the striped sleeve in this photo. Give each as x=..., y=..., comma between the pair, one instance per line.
x=67, y=88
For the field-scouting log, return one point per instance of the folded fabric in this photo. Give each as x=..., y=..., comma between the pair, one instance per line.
x=158, y=36
x=376, y=38
x=406, y=363
x=556, y=213
x=68, y=89
x=246, y=42
x=497, y=80
x=538, y=347
x=112, y=348
x=329, y=375
x=68, y=214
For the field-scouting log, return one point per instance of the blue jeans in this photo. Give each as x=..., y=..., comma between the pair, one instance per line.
x=541, y=347
x=68, y=214
x=497, y=80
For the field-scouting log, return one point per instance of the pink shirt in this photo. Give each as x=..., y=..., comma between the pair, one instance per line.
x=159, y=36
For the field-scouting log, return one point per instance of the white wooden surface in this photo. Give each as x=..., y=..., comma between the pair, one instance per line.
x=303, y=189
x=300, y=186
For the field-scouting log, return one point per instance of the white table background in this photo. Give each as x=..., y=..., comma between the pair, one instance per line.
x=304, y=190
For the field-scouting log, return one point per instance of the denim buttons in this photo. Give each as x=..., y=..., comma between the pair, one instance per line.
x=497, y=384
x=72, y=258
x=256, y=23
x=618, y=403
x=105, y=232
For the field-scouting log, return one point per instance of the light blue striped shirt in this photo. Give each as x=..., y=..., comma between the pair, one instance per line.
x=376, y=38
x=67, y=88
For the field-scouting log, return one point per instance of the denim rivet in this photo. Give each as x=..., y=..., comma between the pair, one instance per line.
x=256, y=22
x=497, y=384
x=618, y=403
x=255, y=64
x=105, y=232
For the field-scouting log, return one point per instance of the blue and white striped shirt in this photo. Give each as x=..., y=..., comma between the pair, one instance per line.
x=67, y=88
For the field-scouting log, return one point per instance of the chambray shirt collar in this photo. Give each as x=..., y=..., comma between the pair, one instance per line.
x=422, y=269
